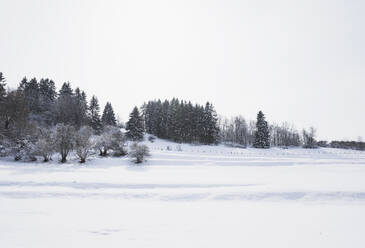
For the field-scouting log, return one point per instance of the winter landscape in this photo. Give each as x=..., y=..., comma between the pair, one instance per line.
x=187, y=124
x=189, y=196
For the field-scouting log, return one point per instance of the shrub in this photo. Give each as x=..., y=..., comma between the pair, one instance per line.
x=138, y=153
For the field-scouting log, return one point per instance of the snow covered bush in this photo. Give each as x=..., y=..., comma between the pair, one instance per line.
x=45, y=145
x=138, y=153
x=111, y=139
x=84, y=143
x=24, y=150
x=64, y=140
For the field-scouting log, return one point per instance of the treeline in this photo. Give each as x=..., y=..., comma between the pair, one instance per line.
x=260, y=134
x=181, y=121
x=38, y=102
x=36, y=120
x=353, y=145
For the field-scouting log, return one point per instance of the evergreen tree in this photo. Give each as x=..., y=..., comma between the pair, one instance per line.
x=94, y=116
x=108, y=118
x=135, y=127
x=210, y=126
x=66, y=90
x=262, y=134
x=65, y=106
x=30, y=90
x=47, y=98
x=80, y=109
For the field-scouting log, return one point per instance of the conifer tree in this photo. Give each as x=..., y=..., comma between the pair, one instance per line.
x=210, y=127
x=262, y=134
x=80, y=109
x=108, y=118
x=65, y=105
x=94, y=116
x=134, y=126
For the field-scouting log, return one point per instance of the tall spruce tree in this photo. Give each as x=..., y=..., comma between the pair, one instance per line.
x=134, y=126
x=108, y=118
x=94, y=115
x=210, y=125
x=80, y=109
x=262, y=134
x=47, y=98
x=65, y=105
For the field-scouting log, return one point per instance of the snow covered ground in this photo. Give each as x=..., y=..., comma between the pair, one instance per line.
x=188, y=196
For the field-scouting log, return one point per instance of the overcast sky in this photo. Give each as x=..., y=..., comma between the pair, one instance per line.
x=298, y=61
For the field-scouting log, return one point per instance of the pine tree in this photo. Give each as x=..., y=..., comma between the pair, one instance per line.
x=80, y=109
x=66, y=90
x=135, y=127
x=210, y=127
x=108, y=118
x=262, y=134
x=47, y=98
x=65, y=105
x=94, y=116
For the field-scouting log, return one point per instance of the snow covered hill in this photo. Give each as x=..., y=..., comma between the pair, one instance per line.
x=187, y=196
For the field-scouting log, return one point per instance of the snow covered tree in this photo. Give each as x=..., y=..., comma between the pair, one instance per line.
x=108, y=118
x=138, y=153
x=262, y=135
x=84, y=143
x=64, y=140
x=111, y=139
x=210, y=125
x=45, y=145
x=134, y=126
x=309, y=138
x=94, y=116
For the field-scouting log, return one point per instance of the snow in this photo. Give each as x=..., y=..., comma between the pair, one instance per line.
x=187, y=196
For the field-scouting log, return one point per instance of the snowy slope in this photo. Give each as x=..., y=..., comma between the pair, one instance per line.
x=187, y=196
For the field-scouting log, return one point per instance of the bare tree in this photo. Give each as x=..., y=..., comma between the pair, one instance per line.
x=309, y=138
x=64, y=140
x=45, y=145
x=84, y=143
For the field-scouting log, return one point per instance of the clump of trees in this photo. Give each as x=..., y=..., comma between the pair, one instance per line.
x=36, y=120
x=354, y=145
x=181, y=121
x=309, y=140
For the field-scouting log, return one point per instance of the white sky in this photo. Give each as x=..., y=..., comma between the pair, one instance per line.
x=298, y=61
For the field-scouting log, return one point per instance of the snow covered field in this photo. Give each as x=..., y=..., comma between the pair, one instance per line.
x=188, y=196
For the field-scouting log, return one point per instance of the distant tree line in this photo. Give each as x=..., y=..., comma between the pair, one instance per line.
x=353, y=145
